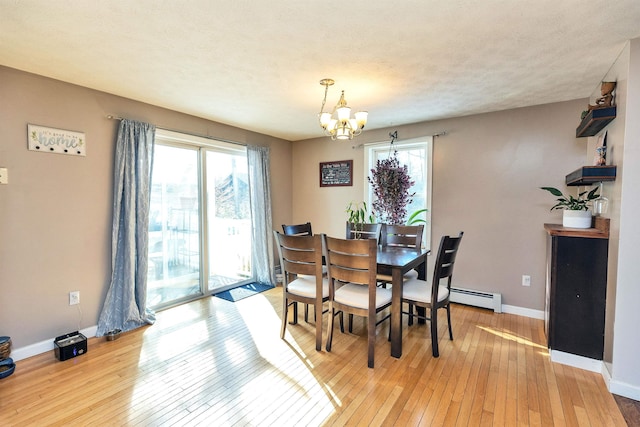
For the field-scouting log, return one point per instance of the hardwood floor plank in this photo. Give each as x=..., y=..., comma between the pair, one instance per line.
x=212, y=362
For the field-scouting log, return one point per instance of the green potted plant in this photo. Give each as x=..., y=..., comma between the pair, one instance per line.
x=358, y=215
x=576, y=212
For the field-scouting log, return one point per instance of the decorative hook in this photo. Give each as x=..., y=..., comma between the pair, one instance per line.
x=393, y=136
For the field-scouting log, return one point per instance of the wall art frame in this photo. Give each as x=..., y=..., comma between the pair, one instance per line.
x=336, y=174
x=59, y=141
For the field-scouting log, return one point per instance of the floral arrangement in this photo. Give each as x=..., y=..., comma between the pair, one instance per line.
x=390, y=182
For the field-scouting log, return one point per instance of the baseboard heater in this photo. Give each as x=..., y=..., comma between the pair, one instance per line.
x=477, y=298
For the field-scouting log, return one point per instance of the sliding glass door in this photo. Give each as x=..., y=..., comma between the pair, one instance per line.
x=174, y=228
x=200, y=221
x=228, y=219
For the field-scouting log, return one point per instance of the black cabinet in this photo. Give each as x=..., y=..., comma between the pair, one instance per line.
x=576, y=293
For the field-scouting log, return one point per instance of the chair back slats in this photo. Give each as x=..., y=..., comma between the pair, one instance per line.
x=297, y=229
x=409, y=236
x=444, y=262
x=363, y=231
x=299, y=254
x=352, y=261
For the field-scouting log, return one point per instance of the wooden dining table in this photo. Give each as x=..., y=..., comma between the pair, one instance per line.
x=399, y=261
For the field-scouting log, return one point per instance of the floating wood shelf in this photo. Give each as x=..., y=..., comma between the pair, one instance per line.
x=587, y=175
x=595, y=121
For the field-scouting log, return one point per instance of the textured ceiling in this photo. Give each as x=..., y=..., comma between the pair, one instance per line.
x=257, y=64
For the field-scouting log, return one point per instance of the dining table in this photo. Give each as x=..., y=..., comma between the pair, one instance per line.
x=398, y=261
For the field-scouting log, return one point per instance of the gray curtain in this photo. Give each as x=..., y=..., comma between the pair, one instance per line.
x=125, y=305
x=260, y=194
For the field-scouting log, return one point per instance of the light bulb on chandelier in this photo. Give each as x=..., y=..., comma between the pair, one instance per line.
x=342, y=126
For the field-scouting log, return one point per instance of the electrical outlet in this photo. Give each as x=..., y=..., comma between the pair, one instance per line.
x=526, y=280
x=74, y=297
x=4, y=176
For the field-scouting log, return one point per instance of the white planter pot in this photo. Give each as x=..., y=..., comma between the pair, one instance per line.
x=576, y=219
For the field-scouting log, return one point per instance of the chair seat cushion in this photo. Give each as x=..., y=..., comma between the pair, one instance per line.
x=305, y=286
x=358, y=296
x=420, y=290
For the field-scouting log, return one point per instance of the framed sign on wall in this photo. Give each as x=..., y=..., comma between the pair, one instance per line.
x=336, y=174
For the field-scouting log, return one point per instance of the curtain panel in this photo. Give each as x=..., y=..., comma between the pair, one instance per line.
x=125, y=304
x=260, y=194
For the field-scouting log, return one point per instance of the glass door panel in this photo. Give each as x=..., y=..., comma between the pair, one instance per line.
x=228, y=219
x=174, y=227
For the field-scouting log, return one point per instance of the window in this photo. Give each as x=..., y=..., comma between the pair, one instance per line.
x=416, y=154
x=200, y=221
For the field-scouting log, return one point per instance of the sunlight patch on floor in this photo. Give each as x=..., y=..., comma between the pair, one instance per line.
x=511, y=337
x=290, y=377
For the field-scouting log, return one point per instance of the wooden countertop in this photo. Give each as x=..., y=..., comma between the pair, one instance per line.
x=600, y=230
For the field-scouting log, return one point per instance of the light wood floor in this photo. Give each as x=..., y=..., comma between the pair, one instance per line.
x=216, y=363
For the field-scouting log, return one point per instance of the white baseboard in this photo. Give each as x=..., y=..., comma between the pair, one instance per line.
x=618, y=387
x=624, y=389
x=44, y=346
x=521, y=311
x=576, y=361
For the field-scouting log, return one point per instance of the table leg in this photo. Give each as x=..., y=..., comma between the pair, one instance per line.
x=396, y=313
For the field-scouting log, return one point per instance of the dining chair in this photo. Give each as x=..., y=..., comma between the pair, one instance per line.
x=301, y=230
x=352, y=285
x=303, y=281
x=297, y=229
x=401, y=236
x=363, y=231
x=418, y=293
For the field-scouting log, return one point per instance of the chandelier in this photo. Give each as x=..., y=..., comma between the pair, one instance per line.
x=342, y=126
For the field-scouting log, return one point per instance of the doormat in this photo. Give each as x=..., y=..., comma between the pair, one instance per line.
x=244, y=291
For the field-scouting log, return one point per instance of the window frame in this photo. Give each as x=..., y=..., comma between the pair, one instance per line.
x=426, y=143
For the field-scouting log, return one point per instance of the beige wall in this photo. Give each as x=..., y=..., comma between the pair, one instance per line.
x=486, y=174
x=55, y=214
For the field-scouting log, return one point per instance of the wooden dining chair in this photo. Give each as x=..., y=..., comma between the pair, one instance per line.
x=363, y=231
x=297, y=229
x=401, y=236
x=352, y=285
x=303, y=281
x=301, y=230
x=432, y=297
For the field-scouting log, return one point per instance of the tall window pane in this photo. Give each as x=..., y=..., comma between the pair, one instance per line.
x=174, y=230
x=416, y=155
x=229, y=218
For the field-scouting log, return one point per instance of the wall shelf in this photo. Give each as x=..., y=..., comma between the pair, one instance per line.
x=588, y=175
x=595, y=121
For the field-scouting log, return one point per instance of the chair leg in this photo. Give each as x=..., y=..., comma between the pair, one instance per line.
x=371, y=338
x=316, y=308
x=285, y=312
x=350, y=323
x=434, y=332
x=306, y=313
x=294, y=321
x=449, y=322
x=410, y=320
x=330, y=327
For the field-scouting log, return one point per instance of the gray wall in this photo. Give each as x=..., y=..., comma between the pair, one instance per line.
x=55, y=213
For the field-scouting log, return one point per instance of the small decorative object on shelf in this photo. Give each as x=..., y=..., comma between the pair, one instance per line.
x=606, y=89
x=600, y=205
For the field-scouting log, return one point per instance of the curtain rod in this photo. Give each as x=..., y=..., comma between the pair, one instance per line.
x=112, y=117
x=395, y=138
